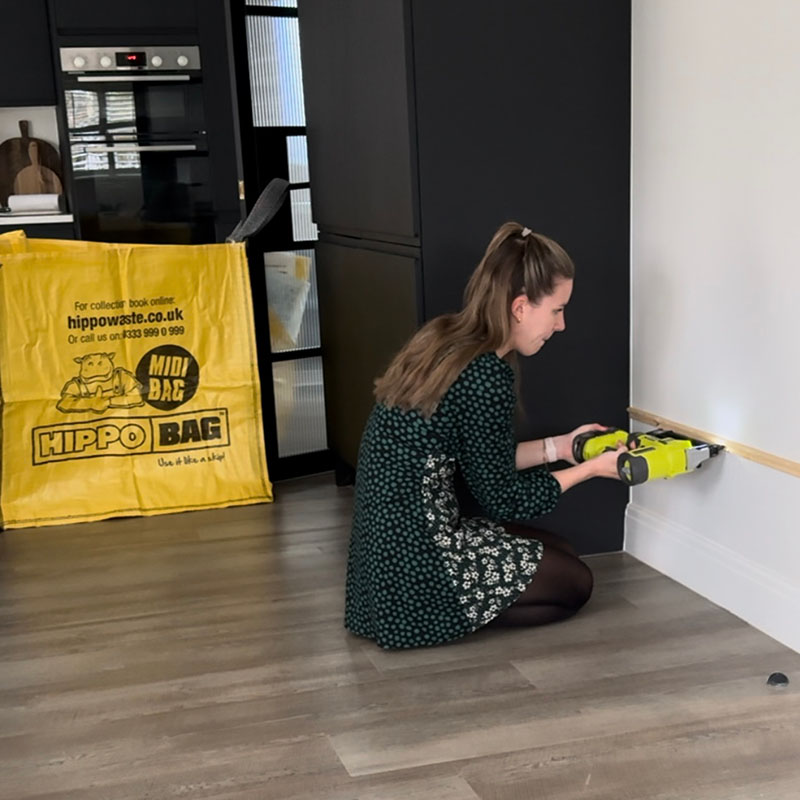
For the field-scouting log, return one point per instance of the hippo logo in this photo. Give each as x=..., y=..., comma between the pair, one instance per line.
x=99, y=385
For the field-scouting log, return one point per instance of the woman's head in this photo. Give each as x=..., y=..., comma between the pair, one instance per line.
x=517, y=294
x=514, y=300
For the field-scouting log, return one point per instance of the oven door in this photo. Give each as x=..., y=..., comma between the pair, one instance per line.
x=139, y=158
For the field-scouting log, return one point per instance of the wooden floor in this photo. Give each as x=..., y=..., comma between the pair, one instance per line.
x=203, y=656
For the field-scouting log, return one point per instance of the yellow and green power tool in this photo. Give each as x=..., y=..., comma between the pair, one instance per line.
x=656, y=454
x=590, y=444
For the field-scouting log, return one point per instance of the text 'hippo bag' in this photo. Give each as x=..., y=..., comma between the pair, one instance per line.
x=129, y=381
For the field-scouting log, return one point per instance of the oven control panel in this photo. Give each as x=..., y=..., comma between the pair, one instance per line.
x=129, y=59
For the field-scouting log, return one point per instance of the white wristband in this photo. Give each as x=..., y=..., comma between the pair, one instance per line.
x=550, y=450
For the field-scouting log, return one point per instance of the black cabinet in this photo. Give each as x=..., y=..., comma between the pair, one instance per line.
x=41, y=230
x=129, y=18
x=430, y=123
x=26, y=63
x=360, y=119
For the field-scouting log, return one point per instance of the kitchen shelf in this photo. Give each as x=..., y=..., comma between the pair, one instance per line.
x=7, y=220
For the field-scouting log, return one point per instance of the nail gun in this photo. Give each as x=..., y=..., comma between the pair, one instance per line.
x=656, y=454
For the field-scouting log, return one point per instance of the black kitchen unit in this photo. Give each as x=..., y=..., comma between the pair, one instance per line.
x=148, y=119
x=138, y=146
x=431, y=122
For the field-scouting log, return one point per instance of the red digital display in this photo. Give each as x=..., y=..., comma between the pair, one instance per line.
x=131, y=59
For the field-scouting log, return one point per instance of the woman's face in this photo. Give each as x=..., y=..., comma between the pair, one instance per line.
x=532, y=325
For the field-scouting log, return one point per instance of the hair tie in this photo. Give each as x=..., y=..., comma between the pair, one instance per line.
x=525, y=232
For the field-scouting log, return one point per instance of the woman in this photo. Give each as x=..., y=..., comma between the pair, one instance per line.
x=420, y=573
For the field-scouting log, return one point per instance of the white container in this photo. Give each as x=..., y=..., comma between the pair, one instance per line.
x=25, y=203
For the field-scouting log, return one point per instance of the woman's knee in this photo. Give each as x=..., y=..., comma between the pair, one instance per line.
x=576, y=579
x=585, y=581
x=560, y=580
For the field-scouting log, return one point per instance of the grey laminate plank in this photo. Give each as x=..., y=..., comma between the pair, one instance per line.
x=732, y=760
x=392, y=787
x=155, y=686
x=201, y=768
x=625, y=654
x=298, y=711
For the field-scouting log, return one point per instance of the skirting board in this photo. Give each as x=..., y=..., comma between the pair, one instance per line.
x=759, y=596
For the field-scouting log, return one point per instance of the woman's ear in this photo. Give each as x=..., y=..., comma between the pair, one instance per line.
x=518, y=306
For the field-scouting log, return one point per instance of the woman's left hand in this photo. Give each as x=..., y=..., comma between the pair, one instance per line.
x=564, y=442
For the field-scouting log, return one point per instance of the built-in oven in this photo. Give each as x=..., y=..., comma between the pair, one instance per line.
x=138, y=148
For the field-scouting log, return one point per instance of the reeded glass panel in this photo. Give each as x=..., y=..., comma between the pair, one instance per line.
x=120, y=107
x=281, y=3
x=276, y=79
x=83, y=109
x=292, y=295
x=86, y=160
x=303, y=228
x=91, y=158
x=127, y=161
x=299, y=406
x=297, y=153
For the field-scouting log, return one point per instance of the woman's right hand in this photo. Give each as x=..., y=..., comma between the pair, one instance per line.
x=602, y=466
x=605, y=465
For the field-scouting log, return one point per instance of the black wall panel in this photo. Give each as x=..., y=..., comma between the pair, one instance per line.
x=538, y=132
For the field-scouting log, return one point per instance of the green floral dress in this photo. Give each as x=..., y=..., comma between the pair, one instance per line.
x=420, y=573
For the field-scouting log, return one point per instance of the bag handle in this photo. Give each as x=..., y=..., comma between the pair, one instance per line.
x=265, y=208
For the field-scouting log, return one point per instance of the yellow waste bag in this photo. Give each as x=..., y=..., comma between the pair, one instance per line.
x=129, y=381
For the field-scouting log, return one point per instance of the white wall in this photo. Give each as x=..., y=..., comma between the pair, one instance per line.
x=716, y=289
x=42, y=119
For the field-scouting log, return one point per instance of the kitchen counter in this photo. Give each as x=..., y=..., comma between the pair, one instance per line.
x=8, y=220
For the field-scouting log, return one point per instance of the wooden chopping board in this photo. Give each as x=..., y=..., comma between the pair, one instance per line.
x=15, y=156
x=36, y=179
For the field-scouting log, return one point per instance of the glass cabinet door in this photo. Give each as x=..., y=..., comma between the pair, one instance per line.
x=289, y=298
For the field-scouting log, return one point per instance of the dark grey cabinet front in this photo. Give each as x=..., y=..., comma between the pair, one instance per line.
x=80, y=17
x=368, y=309
x=357, y=88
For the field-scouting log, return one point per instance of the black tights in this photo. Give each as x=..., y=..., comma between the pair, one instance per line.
x=561, y=586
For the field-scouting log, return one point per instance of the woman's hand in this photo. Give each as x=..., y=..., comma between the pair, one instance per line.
x=602, y=466
x=564, y=442
x=605, y=465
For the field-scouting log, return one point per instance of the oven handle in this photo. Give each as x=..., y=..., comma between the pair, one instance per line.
x=139, y=148
x=129, y=78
